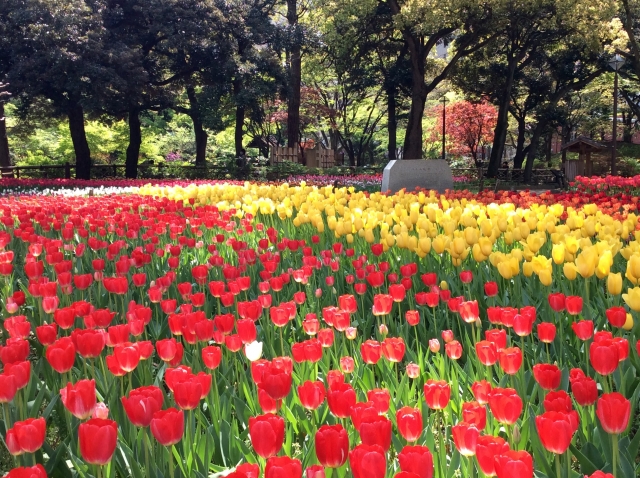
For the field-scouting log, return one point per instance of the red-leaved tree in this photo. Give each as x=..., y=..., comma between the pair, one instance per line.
x=469, y=127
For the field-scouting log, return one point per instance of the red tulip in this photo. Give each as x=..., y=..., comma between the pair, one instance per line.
x=393, y=349
x=21, y=373
x=311, y=394
x=382, y=304
x=474, y=414
x=61, y=355
x=376, y=430
x=381, y=398
x=283, y=467
x=469, y=311
x=416, y=459
x=548, y=376
x=505, y=405
x=267, y=404
x=623, y=348
x=211, y=357
x=409, y=422
x=127, y=356
x=486, y=352
x=555, y=430
x=167, y=426
x=26, y=436
x=466, y=277
x=36, y=471
x=604, y=356
x=412, y=317
x=371, y=351
x=557, y=301
x=447, y=336
x=142, y=403
x=361, y=411
x=481, y=391
x=511, y=360
x=514, y=463
x=436, y=394
x=250, y=470
x=573, y=304
x=559, y=401
x=89, y=343
x=98, y=440
x=584, y=390
x=368, y=461
x=267, y=434
x=453, y=349
x=326, y=337
x=276, y=380
x=79, y=399
x=465, y=437
x=491, y=289
x=613, y=411
x=497, y=337
x=332, y=445
x=341, y=397
x=8, y=388
x=315, y=471
x=347, y=364
x=523, y=324
x=546, y=332
x=397, y=292
x=488, y=447
x=187, y=393
x=616, y=316
x=599, y=474
x=583, y=329
x=47, y=334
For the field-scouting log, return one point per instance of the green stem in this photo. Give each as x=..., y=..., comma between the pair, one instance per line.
x=146, y=453
x=170, y=449
x=558, y=469
x=614, y=439
x=7, y=416
x=281, y=341
x=472, y=468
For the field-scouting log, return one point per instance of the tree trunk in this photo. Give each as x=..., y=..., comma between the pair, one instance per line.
x=198, y=129
x=295, y=81
x=533, y=150
x=521, y=151
x=413, y=137
x=79, y=140
x=239, y=129
x=392, y=122
x=135, y=140
x=548, y=147
x=4, y=141
x=502, y=124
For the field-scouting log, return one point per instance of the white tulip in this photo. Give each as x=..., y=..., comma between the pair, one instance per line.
x=253, y=351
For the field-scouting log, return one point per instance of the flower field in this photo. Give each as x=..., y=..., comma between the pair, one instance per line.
x=277, y=331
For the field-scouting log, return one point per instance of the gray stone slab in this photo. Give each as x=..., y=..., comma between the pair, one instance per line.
x=411, y=173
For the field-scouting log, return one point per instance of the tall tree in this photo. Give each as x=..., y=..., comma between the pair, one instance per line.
x=465, y=25
x=524, y=30
x=4, y=140
x=53, y=51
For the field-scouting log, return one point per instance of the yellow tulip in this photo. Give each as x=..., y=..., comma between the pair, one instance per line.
x=527, y=269
x=586, y=262
x=628, y=325
x=545, y=277
x=614, y=283
x=632, y=298
x=604, y=265
x=478, y=256
x=570, y=270
x=444, y=285
x=557, y=253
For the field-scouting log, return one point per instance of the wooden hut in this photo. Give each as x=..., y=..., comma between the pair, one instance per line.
x=582, y=166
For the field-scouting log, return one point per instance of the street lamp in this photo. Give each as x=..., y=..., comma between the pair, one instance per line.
x=615, y=63
x=444, y=125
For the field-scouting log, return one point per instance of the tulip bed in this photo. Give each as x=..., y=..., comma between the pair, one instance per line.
x=276, y=331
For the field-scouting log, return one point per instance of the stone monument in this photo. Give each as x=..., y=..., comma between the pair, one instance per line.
x=411, y=173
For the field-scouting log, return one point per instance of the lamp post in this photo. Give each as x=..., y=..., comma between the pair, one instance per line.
x=444, y=125
x=615, y=63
